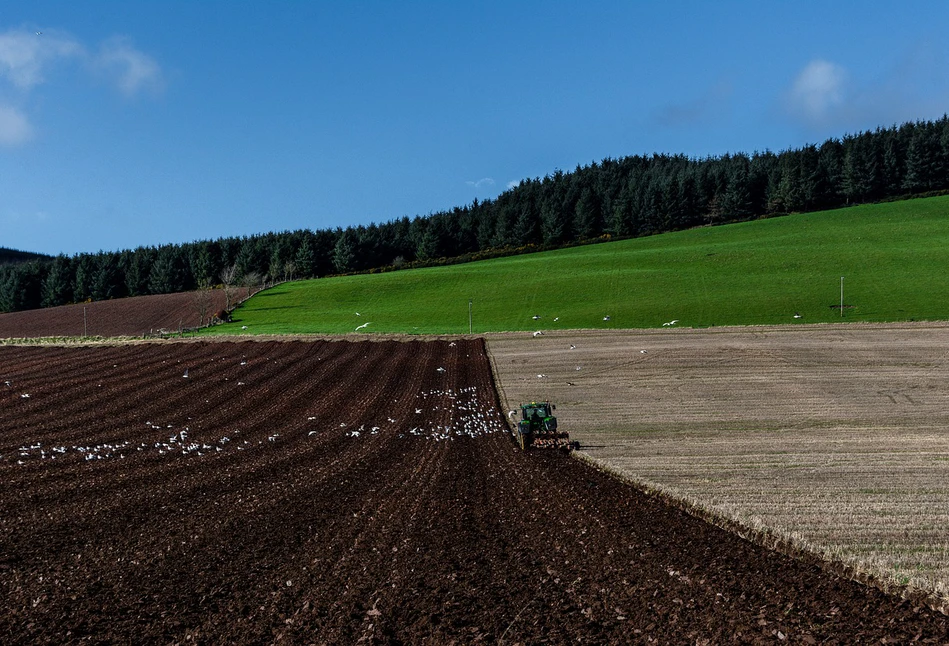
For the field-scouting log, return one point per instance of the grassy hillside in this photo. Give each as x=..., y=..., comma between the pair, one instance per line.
x=893, y=258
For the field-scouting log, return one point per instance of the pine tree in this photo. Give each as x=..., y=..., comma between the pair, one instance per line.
x=57, y=285
x=305, y=258
x=344, y=253
x=166, y=275
x=106, y=281
x=587, y=220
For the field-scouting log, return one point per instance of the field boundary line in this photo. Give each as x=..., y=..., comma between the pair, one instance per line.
x=774, y=540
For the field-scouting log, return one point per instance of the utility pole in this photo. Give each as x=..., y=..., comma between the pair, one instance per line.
x=841, y=297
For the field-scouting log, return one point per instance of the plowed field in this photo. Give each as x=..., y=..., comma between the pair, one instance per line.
x=336, y=492
x=133, y=316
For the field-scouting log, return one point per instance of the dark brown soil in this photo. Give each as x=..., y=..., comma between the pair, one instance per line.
x=336, y=492
x=135, y=316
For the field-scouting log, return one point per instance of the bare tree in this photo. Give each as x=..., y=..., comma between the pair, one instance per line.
x=228, y=279
x=203, y=300
x=289, y=268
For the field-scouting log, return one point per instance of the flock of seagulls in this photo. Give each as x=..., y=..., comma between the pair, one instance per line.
x=176, y=444
x=537, y=317
x=459, y=413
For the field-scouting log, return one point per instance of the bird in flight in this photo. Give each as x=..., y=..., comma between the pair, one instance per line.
x=361, y=326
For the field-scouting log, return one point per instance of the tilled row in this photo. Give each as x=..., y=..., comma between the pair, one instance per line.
x=367, y=491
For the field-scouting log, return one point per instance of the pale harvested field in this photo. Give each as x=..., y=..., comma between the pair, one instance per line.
x=836, y=436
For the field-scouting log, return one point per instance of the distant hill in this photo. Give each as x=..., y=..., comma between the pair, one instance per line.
x=630, y=197
x=766, y=272
x=12, y=256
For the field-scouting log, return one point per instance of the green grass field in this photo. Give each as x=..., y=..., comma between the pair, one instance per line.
x=893, y=258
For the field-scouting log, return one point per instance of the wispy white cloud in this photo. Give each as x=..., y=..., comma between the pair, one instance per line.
x=15, y=128
x=825, y=96
x=29, y=58
x=25, y=56
x=481, y=183
x=514, y=183
x=129, y=69
x=819, y=93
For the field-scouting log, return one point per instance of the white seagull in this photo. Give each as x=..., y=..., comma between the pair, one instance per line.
x=362, y=326
x=672, y=322
x=538, y=333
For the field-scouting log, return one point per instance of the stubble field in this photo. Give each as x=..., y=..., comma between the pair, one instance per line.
x=338, y=492
x=834, y=436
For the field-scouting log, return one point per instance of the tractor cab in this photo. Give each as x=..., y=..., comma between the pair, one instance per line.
x=538, y=427
x=539, y=414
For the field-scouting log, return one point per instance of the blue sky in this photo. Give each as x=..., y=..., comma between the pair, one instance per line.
x=141, y=123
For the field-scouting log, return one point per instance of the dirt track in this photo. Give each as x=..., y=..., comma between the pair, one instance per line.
x=290, y=491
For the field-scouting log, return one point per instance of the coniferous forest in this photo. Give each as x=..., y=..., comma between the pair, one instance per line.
x=615, y=198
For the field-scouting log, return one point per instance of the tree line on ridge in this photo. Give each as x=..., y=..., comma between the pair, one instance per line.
x=616, y=198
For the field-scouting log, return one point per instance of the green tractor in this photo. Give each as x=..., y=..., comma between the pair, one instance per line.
x=537, y=428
